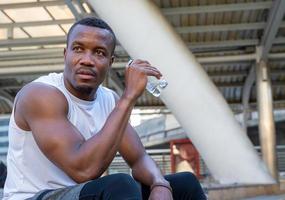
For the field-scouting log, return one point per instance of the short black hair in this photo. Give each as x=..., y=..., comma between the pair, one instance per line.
x=93, y=22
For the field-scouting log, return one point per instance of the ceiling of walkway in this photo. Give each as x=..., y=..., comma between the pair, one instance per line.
x=226, y=36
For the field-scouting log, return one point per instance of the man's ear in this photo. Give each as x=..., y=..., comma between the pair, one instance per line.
x=64, y=53
x=112, y=60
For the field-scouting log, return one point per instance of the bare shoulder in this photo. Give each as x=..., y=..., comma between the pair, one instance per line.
x=38, y=100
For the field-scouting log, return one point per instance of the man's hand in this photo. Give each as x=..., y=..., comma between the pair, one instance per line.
x=160, y=193
x=136, y=77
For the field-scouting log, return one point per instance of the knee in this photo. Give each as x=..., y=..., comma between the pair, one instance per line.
x=189, y=184
x=124, y=179
x=123, y=187
x=188, y=177
x=186, y=181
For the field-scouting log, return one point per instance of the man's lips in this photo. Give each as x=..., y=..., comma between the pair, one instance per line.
x=86, y=74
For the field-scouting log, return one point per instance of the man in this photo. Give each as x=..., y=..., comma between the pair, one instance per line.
x=66, y=129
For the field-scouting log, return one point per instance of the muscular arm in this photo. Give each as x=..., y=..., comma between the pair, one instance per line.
x=44, y=109
x=144, y=169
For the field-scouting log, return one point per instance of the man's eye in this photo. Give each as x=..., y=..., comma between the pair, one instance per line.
x=77, y=49
x=100, y=53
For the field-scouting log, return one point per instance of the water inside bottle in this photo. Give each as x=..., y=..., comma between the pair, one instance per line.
x=154, y=86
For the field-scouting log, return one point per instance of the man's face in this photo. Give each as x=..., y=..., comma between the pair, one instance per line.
x=88, y=58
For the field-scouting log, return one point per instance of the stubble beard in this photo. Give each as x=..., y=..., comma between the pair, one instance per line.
x=85, y=90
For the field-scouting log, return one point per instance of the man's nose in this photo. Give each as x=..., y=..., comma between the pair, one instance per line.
x=87, y=59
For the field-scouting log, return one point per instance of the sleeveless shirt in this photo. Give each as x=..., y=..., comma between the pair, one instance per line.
x=29, y=170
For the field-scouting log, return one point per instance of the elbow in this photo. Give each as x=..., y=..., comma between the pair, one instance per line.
x=81, y=175
x=81, y=169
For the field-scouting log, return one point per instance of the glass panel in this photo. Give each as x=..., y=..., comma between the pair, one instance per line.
x=66, y=27
x=28, y=14
x=3, y=34
x=44, y=31
x=18, y=33
x=15, y=1
x=60, y=12
x=4, y=18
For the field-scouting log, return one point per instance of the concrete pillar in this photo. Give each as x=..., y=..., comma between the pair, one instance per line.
x=266, y=118
x=191, y=95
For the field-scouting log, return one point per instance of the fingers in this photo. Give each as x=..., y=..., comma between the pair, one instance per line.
x=152, y=71
x=136, y=62
x=146, y=67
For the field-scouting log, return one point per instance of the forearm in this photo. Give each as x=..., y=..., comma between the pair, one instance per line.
x=96, y=154
x=146, y=171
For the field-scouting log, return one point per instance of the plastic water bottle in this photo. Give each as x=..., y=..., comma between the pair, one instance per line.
x=154, y=85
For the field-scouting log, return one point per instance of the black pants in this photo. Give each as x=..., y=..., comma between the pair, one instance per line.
x=185, y=186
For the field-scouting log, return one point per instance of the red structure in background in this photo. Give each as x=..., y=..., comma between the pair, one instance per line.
x=187, y=152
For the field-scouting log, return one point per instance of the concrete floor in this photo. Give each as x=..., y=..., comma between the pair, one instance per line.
x=279, y=197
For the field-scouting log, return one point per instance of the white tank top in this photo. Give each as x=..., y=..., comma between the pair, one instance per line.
x=29, y=171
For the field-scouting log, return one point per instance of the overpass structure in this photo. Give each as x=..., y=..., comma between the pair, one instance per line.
x=223, y=36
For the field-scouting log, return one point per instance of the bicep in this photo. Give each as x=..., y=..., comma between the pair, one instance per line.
x=57, y=139
x=45, y=111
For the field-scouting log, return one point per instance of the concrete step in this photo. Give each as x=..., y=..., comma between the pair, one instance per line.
x=278, y=197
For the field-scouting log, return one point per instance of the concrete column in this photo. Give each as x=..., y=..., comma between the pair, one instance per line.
x=191, y=95
x=266, y=118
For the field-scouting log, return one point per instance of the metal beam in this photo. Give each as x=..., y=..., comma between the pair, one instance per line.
x=28, y=52
x=192, y=46
x=61, y=40
x=33, y=41
x=31, y=57
x=31, y=69
x=274, y=22
x=73, y=9
x=241, y=84
x=221, y=59
x=4, y=71
x=225, y=43
x=80, y=6
x=266, y=119
x=217, y=8
x=54, y=40
x=276, y=56
x=235, y=58
x=39, y=51
x=229, y=73
x=166, y=11
x=224, y=27
x=249, y=81
x=41, y=59
x=264, y=88
x=37, y=23
x=237, y=107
